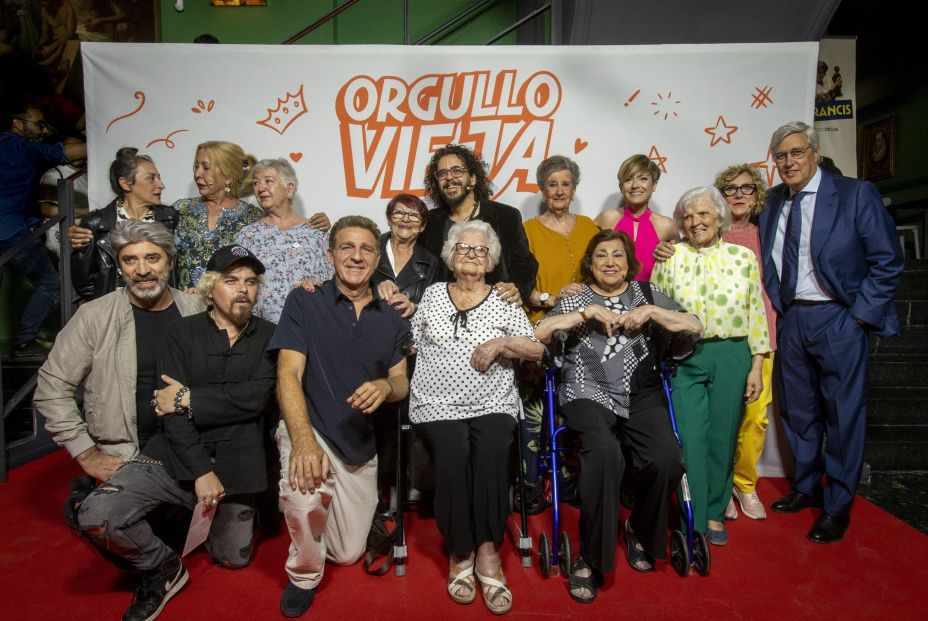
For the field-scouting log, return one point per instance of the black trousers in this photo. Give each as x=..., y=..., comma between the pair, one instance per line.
x=656, y=468
x=471, y=460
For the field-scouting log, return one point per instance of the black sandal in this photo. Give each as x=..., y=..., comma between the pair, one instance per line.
x=591, y=583
x=639, y=560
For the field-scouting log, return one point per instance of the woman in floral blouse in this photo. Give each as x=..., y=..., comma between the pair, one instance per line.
x=283, y=240
x=214, y=218
x=720, y=283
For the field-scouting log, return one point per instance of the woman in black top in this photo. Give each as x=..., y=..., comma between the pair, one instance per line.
x=610, y=394
x=137, y=184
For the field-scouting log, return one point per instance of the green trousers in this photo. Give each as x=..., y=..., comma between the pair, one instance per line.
x=708, y=400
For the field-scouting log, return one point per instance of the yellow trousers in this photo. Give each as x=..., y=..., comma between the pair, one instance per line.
x=753, y=432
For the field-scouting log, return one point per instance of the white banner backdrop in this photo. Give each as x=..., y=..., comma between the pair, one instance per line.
x=359, y=122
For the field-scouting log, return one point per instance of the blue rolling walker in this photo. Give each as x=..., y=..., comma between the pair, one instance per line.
x=554, y=552
x=690, y=549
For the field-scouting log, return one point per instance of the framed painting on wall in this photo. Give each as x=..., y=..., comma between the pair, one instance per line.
x=878, y=144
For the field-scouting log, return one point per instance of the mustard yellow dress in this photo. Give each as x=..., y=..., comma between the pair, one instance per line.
x=558, y=256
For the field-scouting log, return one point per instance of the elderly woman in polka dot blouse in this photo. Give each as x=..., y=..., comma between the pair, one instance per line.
x=464, y=403
x=720, y=283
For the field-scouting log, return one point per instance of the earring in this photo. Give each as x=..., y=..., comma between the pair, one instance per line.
x=228, y=190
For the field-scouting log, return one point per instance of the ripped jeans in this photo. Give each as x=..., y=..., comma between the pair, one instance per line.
x=114, y=517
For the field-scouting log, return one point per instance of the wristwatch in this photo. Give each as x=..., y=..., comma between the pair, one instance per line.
x=543, y=298
x=582, y=311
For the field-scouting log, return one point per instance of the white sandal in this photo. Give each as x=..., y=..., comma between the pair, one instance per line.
x=496, y=594
x=462, y=587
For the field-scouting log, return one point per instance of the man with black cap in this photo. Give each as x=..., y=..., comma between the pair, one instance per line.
x=217, y=379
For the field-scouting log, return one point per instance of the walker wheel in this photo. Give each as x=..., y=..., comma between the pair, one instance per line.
x=679, y=555
x=564, y=555
x=702, y=560
x=544, y=556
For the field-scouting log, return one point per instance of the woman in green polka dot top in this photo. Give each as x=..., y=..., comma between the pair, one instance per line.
x=719, y=283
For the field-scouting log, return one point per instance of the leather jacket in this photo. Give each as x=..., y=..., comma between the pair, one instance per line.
x=419, y=272
x=94, y=270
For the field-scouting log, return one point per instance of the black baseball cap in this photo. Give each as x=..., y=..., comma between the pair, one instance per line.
x=227, y=256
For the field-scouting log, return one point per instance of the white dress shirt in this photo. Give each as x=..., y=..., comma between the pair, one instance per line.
x=808, y=286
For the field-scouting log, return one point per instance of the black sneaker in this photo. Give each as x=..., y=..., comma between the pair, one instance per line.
x=296, y=601
x=155, y=589
x=29, y=352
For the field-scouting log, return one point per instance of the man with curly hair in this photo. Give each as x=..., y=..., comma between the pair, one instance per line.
x=457, y=184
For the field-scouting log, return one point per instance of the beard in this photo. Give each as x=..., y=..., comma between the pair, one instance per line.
x=238, y=312
x=453, y=201
x=147, y=294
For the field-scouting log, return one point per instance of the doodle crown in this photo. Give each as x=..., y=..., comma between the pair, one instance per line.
x=287, y=110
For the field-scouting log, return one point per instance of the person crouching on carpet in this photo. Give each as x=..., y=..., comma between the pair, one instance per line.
x=217, y=379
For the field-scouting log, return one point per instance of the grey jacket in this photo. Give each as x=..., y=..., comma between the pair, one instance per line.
x=97, y=347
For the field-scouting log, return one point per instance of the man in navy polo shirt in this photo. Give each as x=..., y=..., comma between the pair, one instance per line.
x=23, y=160
x=340, y=356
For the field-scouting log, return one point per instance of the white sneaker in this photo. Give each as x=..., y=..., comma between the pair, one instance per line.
x=731, y=513
x=751, y=506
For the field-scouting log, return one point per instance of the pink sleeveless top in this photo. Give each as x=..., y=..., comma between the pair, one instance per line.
x=646, y=242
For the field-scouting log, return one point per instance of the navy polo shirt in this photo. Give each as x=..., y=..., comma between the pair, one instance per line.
x=342, y=352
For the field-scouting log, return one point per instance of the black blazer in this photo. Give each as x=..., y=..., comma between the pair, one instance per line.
x=93, y=267
x=516, y=262
x=418, y=273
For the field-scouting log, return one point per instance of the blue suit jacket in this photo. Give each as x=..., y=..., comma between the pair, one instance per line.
x=855, y=249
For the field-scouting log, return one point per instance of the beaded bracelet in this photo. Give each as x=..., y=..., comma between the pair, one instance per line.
x=178, y=398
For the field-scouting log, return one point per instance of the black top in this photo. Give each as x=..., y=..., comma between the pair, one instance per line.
x=149, y=328
x=231, y=390
x=93, y=267
x=419, y=272
x=516, y=262
x=342, y=352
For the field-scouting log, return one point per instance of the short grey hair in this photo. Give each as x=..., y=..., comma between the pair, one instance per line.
x=283, y=168
x=475, y=226
x=716, y=199
x=208, y=280
x=136, y=232
x=556, y=163
x=796, y=127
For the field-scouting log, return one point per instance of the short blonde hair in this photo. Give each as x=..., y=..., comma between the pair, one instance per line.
x=231, y=160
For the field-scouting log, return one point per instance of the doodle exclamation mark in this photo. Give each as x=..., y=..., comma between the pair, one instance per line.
x=632, y=98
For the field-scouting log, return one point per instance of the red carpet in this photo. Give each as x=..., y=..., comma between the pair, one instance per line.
x=768, y=571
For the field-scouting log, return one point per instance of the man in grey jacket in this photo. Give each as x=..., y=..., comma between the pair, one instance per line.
x=111, y=347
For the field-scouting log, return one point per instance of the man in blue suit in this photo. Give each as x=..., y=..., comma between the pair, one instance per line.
x=832, y=263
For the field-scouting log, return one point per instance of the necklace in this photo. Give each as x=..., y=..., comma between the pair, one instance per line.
x=473, y=212
x=232, y=337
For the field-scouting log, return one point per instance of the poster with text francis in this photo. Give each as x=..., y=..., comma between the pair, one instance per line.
x=358, y=123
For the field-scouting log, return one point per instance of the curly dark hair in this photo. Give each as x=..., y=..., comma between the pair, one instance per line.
x=474, y=164
x=586, y=263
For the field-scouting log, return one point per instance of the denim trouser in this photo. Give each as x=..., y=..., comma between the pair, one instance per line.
x=114, y=516
x=34, y=263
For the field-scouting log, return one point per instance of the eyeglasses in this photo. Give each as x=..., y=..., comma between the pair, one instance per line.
x=42, y=125
x=465, y=249
x=796, y=154
x=454, y=171
x=730, y=190
x=399, y=216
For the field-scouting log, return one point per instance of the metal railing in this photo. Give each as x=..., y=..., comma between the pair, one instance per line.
x=436, y=34
x=65, y=218
x=319, y=22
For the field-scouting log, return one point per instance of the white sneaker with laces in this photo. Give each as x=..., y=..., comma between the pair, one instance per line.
x=751, y=506
x=731, y=513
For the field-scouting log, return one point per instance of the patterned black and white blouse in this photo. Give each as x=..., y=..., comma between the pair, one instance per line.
x=444, y=385
x=608, y=370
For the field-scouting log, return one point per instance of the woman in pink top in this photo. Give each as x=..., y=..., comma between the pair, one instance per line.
x=638, y=177
x=745, y=190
